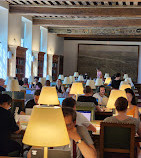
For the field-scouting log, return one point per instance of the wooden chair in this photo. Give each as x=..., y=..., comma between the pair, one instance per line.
x=117, y=140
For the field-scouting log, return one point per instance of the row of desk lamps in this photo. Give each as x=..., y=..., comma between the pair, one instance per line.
x=46, y=127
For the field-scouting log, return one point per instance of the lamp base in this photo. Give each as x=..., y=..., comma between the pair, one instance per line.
x=45, y=152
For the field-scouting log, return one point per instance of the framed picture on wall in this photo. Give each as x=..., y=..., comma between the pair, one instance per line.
x=109, y=59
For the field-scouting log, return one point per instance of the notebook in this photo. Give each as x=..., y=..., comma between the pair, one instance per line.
x=52, y=153
x=87, y=114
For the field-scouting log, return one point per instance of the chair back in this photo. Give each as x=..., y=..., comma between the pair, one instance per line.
x=87, y=106
x=117, y=138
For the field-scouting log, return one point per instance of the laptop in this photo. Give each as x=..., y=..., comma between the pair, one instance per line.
x=52, y=153
x=61, y=100
x=87, y=114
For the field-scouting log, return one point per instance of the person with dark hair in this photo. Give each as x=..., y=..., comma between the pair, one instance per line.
x=47, y=83
x=8, y=126
x=102, y=99
x=39, y=86
x=132, y=105
x=36, y=80
x=34, y=101
x=80, y=140
x=2, y=85
x=80, y=119
x=121, y=105
x=88, y=97
x=116, y=82
x=59, y=86
x=79, y=137
x=26, y=85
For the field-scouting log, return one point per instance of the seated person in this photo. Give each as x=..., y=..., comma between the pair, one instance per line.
x=80, y=119
x=38, y=87
x=116, y=82
x=132, y=105
x=34, y=101
x=36, y=80
x=2, y=85
x=121, y=105
x=8, y=126
x=100, y=95
x=26, y=85
x=47, y=83
x=79, y=138
x=59, y=86
x=87, y=97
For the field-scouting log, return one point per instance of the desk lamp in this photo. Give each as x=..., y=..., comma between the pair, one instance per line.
x=48, y=96
x=46, y=128
x=124, y=86
x=49, y=78
x=61, y=77
x=106, y=75
x=113, y=97
x=76, y=88
x=98, y=82
x=13, y=85
x=91, y=83
x=72, y=79
x=107, y=81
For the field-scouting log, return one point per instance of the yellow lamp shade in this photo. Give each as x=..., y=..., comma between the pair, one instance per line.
x=46, y=128
x=13, y=85
x=113, y=97
x=124, y=86
x=48, y=96
x=77, y=88
x=108, y=80
x=91, y=83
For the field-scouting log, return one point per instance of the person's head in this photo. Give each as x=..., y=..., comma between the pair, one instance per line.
x=97, y=69
x=70, y=117
x=130, y=96
x=36, y=96
x=20, y=82
x=47, y=83
x=25, y=81
x=87, y=90
x=58, y=82
x=121, y=104
x=39, y=85
x=5, y=101
x=2, y=82
x=118, y=75
x=101, y=90
x=36, y=79
x=69, y=103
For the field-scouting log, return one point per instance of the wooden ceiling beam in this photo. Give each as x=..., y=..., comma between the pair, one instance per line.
x=87, y=23
x=91, y=12
x=105, y=1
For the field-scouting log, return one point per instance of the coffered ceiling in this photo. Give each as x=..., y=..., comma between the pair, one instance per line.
x=81, y=19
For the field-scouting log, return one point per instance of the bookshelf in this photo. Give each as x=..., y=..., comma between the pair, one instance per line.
x=57, y=66
x=40, y=63
x=20, y=62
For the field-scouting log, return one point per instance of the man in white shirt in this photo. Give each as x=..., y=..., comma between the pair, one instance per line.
x=102, y=99
x=80, y=119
